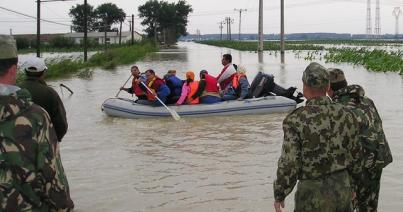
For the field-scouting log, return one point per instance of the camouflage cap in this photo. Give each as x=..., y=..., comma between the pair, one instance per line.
x=8, y=47
x=316, y=76
x=337, y=78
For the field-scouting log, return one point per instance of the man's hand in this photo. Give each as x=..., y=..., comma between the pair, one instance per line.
x=278, y=205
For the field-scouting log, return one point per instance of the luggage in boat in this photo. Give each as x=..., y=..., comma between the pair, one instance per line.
x=264, y=85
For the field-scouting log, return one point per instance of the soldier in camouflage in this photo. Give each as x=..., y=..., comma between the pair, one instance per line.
x=31, y=173
x=320, y=151
x=376, y=152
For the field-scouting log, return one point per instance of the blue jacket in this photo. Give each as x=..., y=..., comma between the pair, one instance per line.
x=175, y=85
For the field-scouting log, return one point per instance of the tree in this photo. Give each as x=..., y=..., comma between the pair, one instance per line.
x=161, y=17
x=77, y=13
x=108, y=14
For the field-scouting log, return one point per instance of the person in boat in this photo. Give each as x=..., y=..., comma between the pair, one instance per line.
x=207, y=90
x=158, y=88
x=227, y=73
x=189, y=88
x=136, y=88
x=376, y=151
x=175, y=86
x=239, y=87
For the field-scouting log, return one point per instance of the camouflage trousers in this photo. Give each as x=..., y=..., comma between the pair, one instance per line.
x=331, y=193
x=368, y=191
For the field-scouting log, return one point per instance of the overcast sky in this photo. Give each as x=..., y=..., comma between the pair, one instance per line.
x=340, y=16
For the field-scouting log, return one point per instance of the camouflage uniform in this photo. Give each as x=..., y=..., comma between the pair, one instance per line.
x=376, y=151
x=32, y=176
x=320, y=149
x=31, y=173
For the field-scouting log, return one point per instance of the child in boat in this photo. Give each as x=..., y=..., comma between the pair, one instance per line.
x=239, y=87
x=189, y=88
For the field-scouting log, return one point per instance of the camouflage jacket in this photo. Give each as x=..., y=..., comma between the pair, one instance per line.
x=376, y=149
x=31, y=174
x=319, y=139
x=48, y=99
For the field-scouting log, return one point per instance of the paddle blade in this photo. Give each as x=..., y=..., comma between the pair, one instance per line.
x=174, y=114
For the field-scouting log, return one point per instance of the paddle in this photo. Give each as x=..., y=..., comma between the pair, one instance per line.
x=173, y=113
x=123, y=85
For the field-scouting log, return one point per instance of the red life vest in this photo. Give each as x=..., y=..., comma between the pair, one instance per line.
x=193, y=88
x=136, y=88
x=211, y=84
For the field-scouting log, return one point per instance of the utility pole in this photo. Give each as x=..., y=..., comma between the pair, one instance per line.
x=132, y=29
x=38, y=24
x=38, y=28
x=240, y=20
x=260, y=47
x=229, y=21
x=120, y=34
x=85, y=29
x=396, y=13
x=220, y=26
x=11, y=31
x=282, y=44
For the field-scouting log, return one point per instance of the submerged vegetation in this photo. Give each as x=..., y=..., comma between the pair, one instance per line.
x=267, y=45
x=108, y=59
x=373, y=59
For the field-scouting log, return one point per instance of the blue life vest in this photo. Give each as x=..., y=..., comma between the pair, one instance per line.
x=175, y=85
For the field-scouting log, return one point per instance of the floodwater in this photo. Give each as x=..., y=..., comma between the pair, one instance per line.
x=198, y=164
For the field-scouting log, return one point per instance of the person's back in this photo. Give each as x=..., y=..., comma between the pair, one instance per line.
x=33, y=176
x=45, y=96
x=376, y=151
x=320, y=151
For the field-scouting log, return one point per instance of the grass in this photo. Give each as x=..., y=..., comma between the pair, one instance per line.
x=267, y=45
x=374, y=60
x=108, y=59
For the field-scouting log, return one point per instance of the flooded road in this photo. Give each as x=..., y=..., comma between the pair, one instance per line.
x=198, y=164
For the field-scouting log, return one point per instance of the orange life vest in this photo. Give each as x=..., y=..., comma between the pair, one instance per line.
x=235, y=80
x=193, y=89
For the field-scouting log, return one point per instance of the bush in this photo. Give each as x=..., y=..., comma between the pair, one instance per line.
x=22, y=43
x=62, y=42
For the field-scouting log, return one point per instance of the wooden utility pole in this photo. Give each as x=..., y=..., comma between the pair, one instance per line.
x=282, y=44
x=85, y=29
x=240, y=20
x=260, y=47
x=120, y=33
x=132, y=29
x=38, y=28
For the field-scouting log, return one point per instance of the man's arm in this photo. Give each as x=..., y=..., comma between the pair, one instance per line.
x=289, y=163
x=58, y=116
x=54, y=187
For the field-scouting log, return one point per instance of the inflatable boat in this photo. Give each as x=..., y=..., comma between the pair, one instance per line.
x=128, y=108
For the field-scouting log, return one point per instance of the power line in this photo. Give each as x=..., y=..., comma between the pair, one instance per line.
x=29, y=16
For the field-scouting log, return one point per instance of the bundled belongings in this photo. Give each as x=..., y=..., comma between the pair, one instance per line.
x=264, y=85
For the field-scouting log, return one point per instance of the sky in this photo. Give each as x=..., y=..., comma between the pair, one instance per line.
x=301, y=16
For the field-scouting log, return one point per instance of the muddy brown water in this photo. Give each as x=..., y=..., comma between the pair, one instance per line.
x=198, y=164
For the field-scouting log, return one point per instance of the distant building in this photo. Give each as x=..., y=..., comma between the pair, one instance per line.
x=111, y=37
